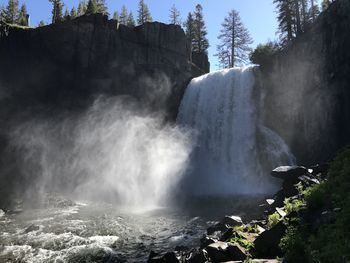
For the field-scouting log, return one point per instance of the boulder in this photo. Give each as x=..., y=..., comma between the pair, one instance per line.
x=205, y=241
x=222, y=251
x=31, y=228
x=289, y=172
x=197, y=256
x=266, y=245
x=232, y=221
x=219, y=227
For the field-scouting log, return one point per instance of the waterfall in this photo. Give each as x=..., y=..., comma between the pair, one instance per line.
x=233, y=150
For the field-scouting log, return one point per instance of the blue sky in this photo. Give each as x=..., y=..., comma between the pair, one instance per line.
x=257, y=15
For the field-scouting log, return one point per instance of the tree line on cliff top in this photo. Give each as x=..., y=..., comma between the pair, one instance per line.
x=294, y=18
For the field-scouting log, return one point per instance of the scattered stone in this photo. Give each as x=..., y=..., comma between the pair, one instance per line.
x=206, y=241
x=308, y=180
x=337, y=209
x=267, y=243
x=219, y=227
x=197, y=256
x=319, y=168
x=222, y=251
x=270, y=201
x=289, y=172
x=232, y=221
x=281, y=212
x=31, y=228
x=228, y=234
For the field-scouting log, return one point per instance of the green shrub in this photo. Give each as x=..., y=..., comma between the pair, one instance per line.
x=293, y=245
x=316, y=196
x=273, y=219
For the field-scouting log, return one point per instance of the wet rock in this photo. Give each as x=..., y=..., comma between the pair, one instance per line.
x=170, y=257
x=289, y=172
x=197, y=256
x=266, y=245
x=181, y=248
x=222, y=251
x=205, y=241
x=308, y=180
x=31, y=228
x=227, y=235
x=232, y=221
x=319, y=169
x=219, y=227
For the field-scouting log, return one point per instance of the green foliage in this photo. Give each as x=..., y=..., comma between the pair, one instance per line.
x=242, y=241
x=143, y=12
x=273, y=219
x=131, y=21
x=235, y=41
x=315, y=196
x=293, y=245
x=174, y=17
x=73, y=13
x=23, y=16
x=41, y=23
x=293, y=205
x=123, y=17
x=330, y=241
x=57, y=11
x=81, y=8
x=263, y=54
x=200, y=42
x=92, y=7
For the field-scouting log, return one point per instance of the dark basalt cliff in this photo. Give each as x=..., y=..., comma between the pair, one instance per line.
x=57, y=71
x=307, y=88
x=64, y=64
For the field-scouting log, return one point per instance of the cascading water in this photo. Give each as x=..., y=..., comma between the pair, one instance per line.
x=234, y=150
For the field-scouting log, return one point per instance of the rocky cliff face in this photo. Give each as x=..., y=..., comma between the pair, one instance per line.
x=63, y=64
x=307, y=88
x=57, y=71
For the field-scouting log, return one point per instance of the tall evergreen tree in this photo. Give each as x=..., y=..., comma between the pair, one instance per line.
x=189, y=28
x=325, y=4
x=2, y=13
x=102, y=7
x=92, y=7
x=23, y=16
x=314, y=11
x=200, y=43
x=82, y=8
x=123, y=18
x=116, y=15
x=285, y=19
x=57, y=11
x=143, y=12
x=174, y=17
x=11, y=11
x=66, y=16
x=235, y=40
x=73, y=13
x=131, y=20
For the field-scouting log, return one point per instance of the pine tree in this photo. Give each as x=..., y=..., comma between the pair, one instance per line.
x=235, y=40
x=200, y=43
x=2, y=13
x=325, y=4
x=189, y=28
x=66, y=16
x=314, y=11
x=116, y=15
x=23, y=16
x=73, y=13
x=57, y=15
x=102, y=7
x=285, y=20
x=82, y=8
x=41, y=23
x=174, y=17
x=123, y=18
x=144, y=14
x=11, y=12
x=131, y=20
x=92, y=7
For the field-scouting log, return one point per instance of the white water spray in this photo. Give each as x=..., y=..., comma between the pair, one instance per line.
x=112, y=152
x=234, y=151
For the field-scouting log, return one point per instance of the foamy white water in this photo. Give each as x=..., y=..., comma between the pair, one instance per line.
x=234, y=150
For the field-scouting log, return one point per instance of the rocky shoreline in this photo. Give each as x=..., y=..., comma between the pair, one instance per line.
x=233, y=240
